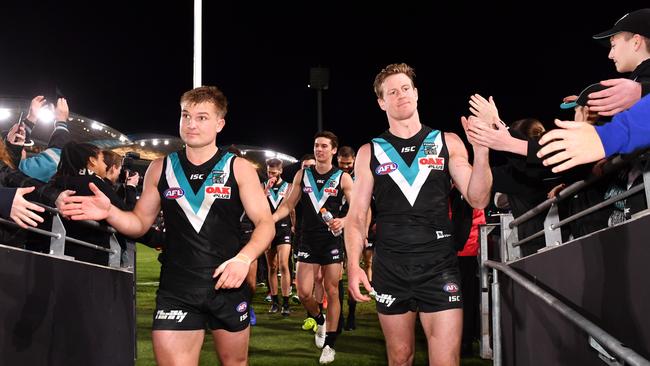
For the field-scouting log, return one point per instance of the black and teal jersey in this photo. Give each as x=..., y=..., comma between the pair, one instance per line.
x=411, y=189
x=202, y=211
x=318, y=191
x=275, y=195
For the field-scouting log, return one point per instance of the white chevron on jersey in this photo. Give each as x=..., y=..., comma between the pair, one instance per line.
x=409, y=178
x=195, y=205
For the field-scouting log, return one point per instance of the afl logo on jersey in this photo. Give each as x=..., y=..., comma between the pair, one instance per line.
x=386, y=168
x=174, y=193
x=450, y=287
x=307, y=190
x=242, y=307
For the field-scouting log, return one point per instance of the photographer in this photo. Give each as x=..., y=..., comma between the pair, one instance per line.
x=121, y=177
x=124, y=183
x=120, y=173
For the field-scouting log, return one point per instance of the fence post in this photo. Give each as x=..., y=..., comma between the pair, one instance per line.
x=485, y=351
x=57, y=244
x=508, y=237
x=116, y=253
x=496, y=319
x=552, y=236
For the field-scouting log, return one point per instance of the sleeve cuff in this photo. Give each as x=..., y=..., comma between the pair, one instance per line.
x=612, y=137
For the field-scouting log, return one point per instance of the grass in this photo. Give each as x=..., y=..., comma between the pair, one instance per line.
x=275, y=340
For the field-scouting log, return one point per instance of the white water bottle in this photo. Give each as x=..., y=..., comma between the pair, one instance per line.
x=327, y=217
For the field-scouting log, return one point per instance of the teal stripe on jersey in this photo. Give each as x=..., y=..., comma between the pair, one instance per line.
x=409, y=172
x=195, y=199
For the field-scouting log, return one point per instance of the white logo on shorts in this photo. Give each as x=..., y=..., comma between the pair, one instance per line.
x=177, y=315
x=303, y=254
x=441, y=234
x=385, y=299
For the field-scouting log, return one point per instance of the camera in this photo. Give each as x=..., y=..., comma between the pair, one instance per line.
x=130, y=166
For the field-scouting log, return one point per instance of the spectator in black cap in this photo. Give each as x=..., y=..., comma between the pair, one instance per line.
x=630, y=50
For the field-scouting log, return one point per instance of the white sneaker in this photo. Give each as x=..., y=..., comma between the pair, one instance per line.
x=327, y=355
x=321, y=333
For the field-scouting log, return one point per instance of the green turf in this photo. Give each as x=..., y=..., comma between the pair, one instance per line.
x=275, y=340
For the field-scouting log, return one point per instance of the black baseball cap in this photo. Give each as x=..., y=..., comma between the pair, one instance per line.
x=584, y=96
x=637, y=22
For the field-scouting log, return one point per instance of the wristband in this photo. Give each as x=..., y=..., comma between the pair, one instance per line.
x=243, y=258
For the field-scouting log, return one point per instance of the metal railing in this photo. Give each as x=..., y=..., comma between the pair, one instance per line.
x=603, y=338
x=552, y=223
x=510, y=250
x=58, y=237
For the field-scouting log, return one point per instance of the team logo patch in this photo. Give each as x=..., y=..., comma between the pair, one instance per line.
x=334, y=251
x=307, y=190
x=220, y=192
x=451, y=287
x=432, y=163
x=174, y=193
x=430, y=148
x=386, y=168
x=242, y=307
x=217, y=177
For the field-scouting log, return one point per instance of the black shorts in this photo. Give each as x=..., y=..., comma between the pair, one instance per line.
x=282, y=234
x=202, y=308
x=321, y=249
x=422, y=287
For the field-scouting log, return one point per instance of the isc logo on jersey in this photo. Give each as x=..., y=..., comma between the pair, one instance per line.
x=432, y=163
x=386, y=168
x=220, y=192
x=173, y=193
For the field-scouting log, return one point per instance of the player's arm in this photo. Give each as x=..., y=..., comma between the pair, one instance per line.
x=473, y=182
x=356, y=227
x=291, y=200
x=131, y=223
x=233, y=271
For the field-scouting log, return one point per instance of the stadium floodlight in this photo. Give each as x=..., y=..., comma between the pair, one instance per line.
x=155, y=142
x=166, y=142
x=46, y=114
x=5, y=113
x=96, y=126
x=269, y=153
x=142, y=143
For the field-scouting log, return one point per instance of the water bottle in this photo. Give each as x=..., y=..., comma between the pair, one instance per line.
x=327, y=217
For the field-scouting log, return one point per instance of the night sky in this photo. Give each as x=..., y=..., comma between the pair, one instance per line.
x=126, y=64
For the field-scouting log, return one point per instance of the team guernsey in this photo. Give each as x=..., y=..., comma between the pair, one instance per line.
x=202, y=209
x=274, y=196
x=318, y=245
x=415, y=267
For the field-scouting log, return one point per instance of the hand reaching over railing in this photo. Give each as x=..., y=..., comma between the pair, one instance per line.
x=94, y=207
x=23, y=211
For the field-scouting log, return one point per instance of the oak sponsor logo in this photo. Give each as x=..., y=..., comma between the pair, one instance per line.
x=432, y=163
x=220, y=192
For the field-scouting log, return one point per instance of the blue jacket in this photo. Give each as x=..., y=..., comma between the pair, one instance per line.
x=628, y=130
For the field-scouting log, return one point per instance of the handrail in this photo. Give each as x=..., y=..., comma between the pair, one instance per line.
x=90, y=223
x=604, y=338
x=89, y=245
x=612, y=165
x=32, y=229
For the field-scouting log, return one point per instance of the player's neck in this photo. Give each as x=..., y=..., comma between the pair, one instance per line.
x=323, y=168
x=405, y=128
x=199, y=155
